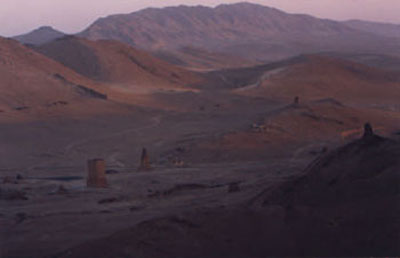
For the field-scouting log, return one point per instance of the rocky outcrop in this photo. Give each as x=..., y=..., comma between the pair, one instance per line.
x=85, y=91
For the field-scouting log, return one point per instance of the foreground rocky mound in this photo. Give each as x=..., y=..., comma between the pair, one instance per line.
x=365, y=169
x=345, y=204
x=347, y=201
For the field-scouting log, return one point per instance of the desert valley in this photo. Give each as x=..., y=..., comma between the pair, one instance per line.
x=234, y=131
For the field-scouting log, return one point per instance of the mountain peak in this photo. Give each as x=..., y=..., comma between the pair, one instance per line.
x=39, y=36
x=245, y=5
x=48, y=28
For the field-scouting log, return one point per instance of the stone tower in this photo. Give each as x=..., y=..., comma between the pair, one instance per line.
x=96, y=173
x=144, y=161
x=296, y=100
x=368, y=131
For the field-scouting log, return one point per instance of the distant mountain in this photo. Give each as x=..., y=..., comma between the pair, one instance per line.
x=114, y=62
x=383, y=29
x=249, y=31
x=40, y=36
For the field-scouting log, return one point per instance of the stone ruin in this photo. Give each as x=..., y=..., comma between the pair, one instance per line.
x=11, y=180
x=177, y=162
x=258, y=128
x=61, y=190
x=233, y=187
x=12, y=195
x=96, y=173
x=368, y=131
x=144, y=161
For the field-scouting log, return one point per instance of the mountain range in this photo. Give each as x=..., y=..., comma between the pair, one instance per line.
x=246, y=30
x=234, y=35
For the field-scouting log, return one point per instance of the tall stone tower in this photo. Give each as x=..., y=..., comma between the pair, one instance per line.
x=144, y=161
x=296, y=100
x=368, y=131
x=96, y=173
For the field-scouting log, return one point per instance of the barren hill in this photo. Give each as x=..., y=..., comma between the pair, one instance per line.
x=247, y=30
x=117, y=63
x=293, y=130
x=39, y=36
x=385, y=62
x=31, y=81
x=314, y=77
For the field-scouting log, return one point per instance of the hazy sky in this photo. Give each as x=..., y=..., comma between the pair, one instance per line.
x=70, y=16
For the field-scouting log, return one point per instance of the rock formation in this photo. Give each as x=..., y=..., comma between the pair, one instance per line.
x=96, y=173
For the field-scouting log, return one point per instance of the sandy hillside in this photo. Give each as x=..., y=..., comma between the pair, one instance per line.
x=323, y=77
x=117, y=63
